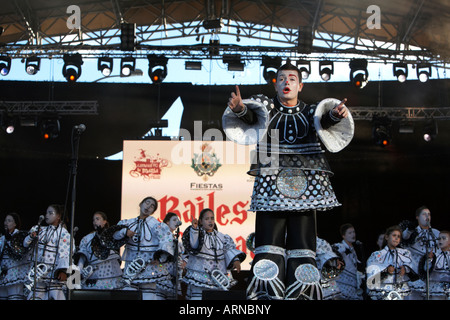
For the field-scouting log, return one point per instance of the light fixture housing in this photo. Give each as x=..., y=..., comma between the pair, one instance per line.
x=157, y=67
x=400, y=71
x=430, y=130
x=72, y=67
x=5, y=65
x=326, y=69
x=359, y=75
x=234, y=62
x=423, y=71
x=381, y=131
x=271, y=65
x=305, y=68
x=105, y=65
x=32, y=65
x=127, y=66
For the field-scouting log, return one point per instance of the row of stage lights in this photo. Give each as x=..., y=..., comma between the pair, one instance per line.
x=49, y=128
x=382, y=130
x=72, y=66
x=359, y=75
x=157, y=69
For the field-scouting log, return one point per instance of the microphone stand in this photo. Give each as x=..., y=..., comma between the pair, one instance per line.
x=74, y=167
x=35, y=260
x=427, y=247
x=177, y=281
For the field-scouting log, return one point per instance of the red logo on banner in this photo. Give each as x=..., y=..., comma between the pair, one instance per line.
x=149, y=167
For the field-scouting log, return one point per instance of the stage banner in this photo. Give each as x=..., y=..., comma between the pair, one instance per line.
x=188, y=176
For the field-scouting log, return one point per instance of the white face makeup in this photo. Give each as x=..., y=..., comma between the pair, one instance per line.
x=350, y=235
x=9, y=223
x=288, y=86
x=444, y=241
x=424, y=218
x=207, y=221
x=148, y=207
x=174, y=222
x=51, y=216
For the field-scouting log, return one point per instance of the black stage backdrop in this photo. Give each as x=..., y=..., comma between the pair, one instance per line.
x=378, y=187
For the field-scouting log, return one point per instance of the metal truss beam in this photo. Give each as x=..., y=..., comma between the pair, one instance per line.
x=406, y=113
x=31, y=108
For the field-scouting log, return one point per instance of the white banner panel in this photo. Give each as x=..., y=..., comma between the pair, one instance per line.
x=188, y=176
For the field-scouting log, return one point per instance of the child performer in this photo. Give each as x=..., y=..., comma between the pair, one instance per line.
x=439, y=264
x=104, y=263
x=14, y=259
x=211, y=254
x=51, y=258
x=149, y=243
x=390, y=269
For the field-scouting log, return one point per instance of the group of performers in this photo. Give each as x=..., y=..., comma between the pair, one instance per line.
x=292, y=183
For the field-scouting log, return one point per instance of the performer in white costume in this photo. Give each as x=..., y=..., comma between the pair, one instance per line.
x=51, y=258
x=439, y=268
x=350, y=280
x=14, y=261
x=331, y=265
x=175, y=268
x=419, y=240
x=292, y=181
x=389, y=270
x=212, y=255
x=98, y=264
x=149, y=243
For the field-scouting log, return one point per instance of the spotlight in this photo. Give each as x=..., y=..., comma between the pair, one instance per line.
x=271, y=65
x=127, y=66
x=7, y=123
x=381, y=131
x=430, y=130
x=234, y=62
x=32, y=65
x=305, y=68
x=359, y=76
x=72, y=67
x=157, y=68
x=5, y=65
x=105, y=65
x=326, y=69
x=400, y=71
x=50, y=129
x=423, y=71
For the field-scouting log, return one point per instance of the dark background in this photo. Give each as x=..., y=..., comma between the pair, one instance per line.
x=378, y=187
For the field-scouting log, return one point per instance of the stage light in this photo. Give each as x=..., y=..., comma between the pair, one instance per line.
x=430, y=130
x=400, y=71
x=381, y=131
x=193, y=65
x=234, y=62
x=423, y=71
x=305, y=68
x=105, y=66
x=5, y=65
x=50, y=128
x=157, y=68
x=127, y=66
x=127, y=36
x=7, y=123
x=326, y=69
x=32, y=65
x=359, y=76
x=271, y=65
x=72, y=66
